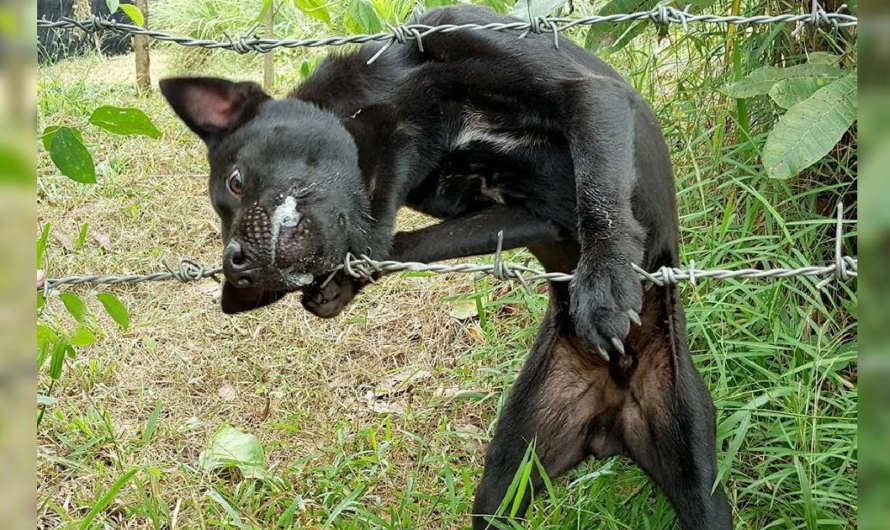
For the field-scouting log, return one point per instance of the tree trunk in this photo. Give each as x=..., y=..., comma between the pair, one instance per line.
x=269, y=58
x=140, y=46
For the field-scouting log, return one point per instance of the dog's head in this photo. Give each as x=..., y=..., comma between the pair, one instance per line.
x=284, y=180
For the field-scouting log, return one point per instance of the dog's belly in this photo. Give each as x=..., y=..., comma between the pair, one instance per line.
x=467, y=183
x=493, y=160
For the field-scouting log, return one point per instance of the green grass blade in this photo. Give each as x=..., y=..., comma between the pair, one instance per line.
x=107, y=498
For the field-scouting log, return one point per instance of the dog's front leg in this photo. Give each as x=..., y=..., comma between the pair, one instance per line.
x=606, y=294
x=470, y=235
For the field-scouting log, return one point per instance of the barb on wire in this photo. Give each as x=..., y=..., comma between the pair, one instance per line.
x=402, y=34
x=844, y=268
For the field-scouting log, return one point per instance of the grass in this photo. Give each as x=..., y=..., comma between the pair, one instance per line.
x=380, y=418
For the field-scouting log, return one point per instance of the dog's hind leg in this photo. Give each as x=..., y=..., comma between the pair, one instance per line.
x=666, y=422
x=550, y=405
x=651, y=406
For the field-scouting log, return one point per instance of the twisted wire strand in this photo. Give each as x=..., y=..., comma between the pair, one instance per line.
x=403, y=34
x=364, y=267
x=843, y=269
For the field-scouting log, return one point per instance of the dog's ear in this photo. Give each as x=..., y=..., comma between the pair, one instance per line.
x=212, y=107
x=235, y=300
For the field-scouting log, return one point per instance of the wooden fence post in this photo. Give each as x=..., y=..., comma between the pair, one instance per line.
x=140, y=46
x=269, y=58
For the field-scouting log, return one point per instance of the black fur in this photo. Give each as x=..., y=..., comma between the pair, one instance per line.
x=488, y=133
x=54, y=44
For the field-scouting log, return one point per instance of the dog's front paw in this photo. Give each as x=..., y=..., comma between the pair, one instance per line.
x=604, y=304
x=329, y=301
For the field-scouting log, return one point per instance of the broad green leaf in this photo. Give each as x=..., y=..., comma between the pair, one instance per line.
x=41, y=245
x=113, y=5
x=47, y=136
x=605, y=35
x=810, y=129
x=134, y=13
x=464, y=309
x=539, y=8
x=82, y=337
x=115, y=309
x=71, y=157
x=789, y=92
x=74, y=305
x=45, y=335
x=823, y=58
x=124, y=121
x=231, y=448
x=316, y=9
x=361, y=17
x=760, y=81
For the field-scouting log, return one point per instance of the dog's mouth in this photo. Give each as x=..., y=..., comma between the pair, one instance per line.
x=286, y=279
x=293, y=278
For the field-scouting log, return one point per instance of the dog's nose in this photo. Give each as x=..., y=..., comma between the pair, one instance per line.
x=236, y=264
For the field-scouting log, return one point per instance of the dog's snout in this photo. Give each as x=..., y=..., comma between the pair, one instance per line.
x=234, y=255
x=236, y=264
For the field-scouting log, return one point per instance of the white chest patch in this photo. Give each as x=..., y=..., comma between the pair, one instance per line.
x=476, y=129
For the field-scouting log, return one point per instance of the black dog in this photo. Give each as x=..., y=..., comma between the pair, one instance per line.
x=489, y=133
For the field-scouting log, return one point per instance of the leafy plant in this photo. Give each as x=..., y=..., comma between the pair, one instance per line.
x=362, y=17
x=66, y=146
x=810, y=128
x=541, y=8
x=231, y=448
x=313, y=8
x=130, y=10
x=613, y=37
x=55, y=343
x=820, y=99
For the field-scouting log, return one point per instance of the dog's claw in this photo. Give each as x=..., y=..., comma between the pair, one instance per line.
x=602, y=352
x=635, y=317
x=618, y=345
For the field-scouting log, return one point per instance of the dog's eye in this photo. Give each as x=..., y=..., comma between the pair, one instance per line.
x=236, y=182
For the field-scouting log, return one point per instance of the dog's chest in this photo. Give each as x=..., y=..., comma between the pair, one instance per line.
x=496, y=133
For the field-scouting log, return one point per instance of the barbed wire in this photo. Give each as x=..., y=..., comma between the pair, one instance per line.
x=402, y=34
x=844, y=268
x=363, y=267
